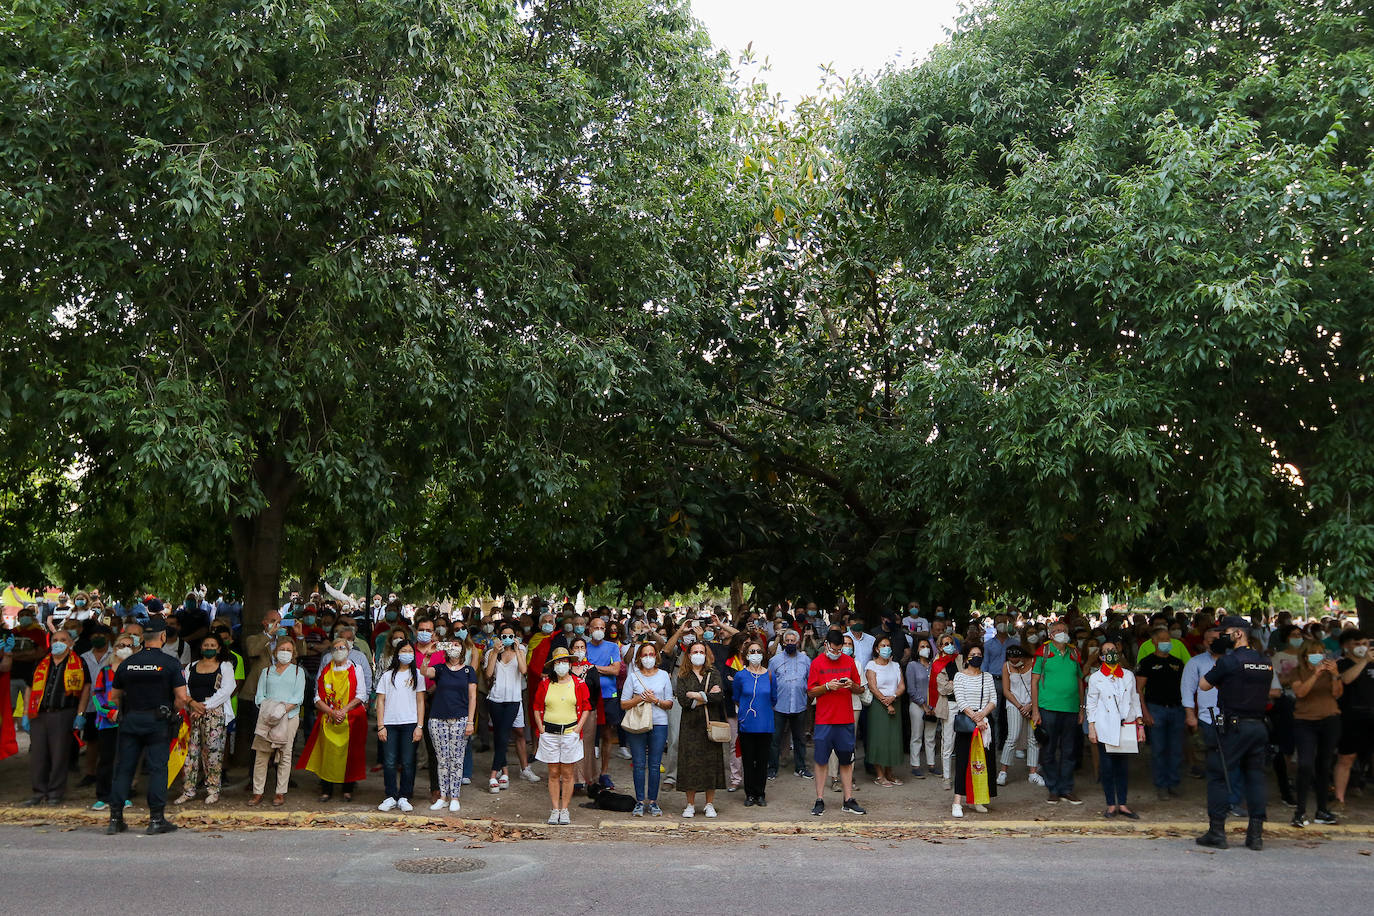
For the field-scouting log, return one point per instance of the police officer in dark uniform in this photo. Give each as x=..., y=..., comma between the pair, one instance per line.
x=1243, y=679
x=148, y=690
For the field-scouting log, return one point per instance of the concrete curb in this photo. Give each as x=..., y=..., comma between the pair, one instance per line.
x=666, y=826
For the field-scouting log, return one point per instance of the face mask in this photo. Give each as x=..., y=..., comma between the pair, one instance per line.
x=424, y=636
x=1318, y=634
x=310, y=620
x=1110, y=658
x=406, y=657
x=26, y=621
x=1314, y=658
x=507, y=641
x=856, y=628
x=1061, y=638
x=790, y=648
x=598, y=635
x=1165, y=645
x=391, y=616
x=708, y=635
x=488, y=628
x=848, y=650
x=1176, y=634
x=1295, y=642
x=567, y=628
x=80, y=602
x=1001, y=628
x=1360, y=651
x=580, y=630
x=546, y=628
x=138, y=640
x=755, y=658
x=59, y=647
x=189, y=605
x=885, y=652
x=442, y=631
x=949, y=649
x=1033, y=638
x=924, y=652
x=1222, y=644
x=461, y=633
x=209, y=653
x=284, y=657
x=562, y=668
x=99, y=642
x=123, y=652
x=580, y=654
x=698, y=658
x=975, y=661
x=648, y=661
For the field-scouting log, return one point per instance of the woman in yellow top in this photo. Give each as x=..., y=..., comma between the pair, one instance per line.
x=560, y=707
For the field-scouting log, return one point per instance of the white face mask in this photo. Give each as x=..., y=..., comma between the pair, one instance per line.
x=406, y=657
x=284, y=656
x=1061, y=638
x=832, y=655
x=1360, y=651
x=649, y=661
x=598, y=635
x=924, y=652
x=340, y=655
x=755, y=658
x=580, y=654
x=698, y=658
x=561, y=668
x=123, y=652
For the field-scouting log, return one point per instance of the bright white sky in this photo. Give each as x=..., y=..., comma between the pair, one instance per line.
x=798, y=36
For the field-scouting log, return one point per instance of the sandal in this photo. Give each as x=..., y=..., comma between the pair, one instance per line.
x=279, y=800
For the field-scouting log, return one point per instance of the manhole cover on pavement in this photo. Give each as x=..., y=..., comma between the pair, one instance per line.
x=439, y=865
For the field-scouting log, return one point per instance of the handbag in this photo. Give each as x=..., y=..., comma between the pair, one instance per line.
x=718, y=732
x=963, y=722
x=640, y=718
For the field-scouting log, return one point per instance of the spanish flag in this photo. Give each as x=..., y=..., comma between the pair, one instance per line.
x=9, y=745
x=181, y=744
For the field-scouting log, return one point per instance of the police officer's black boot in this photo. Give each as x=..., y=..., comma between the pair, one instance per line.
x=117, y=824
x=1215, y=835
x=158, y=823
x=1254, y=834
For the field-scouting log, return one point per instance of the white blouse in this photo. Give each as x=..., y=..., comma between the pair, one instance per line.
x=1111, y=701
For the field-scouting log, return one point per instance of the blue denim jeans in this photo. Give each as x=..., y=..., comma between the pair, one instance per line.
x=646, y=753
x=1166, y=745
x=398, y=761
x=1115, y=769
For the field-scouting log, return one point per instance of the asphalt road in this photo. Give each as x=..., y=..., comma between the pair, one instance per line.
x=267, y=872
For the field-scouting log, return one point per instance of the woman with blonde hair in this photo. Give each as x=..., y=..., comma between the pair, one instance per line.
x=280, y=693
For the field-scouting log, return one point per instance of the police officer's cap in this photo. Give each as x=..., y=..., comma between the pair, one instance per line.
x=1233, y=622
x=154, y=626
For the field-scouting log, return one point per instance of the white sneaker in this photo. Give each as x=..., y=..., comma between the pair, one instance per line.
x=387, y=805
x=981, y=809
x=1002, y=778
x=563, y=817
x=689, y=811
x=956, y=811
x=529, y=775
x=625, y=752
x=441, y=803
x=504, y=782
x=405, y=805
x=453, y=806
x=467, y=781
x=1035, y=779
x=710, y=810
x=495, y=786
x=553, y=818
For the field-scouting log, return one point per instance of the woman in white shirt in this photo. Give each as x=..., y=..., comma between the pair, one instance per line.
x=975, y=695
x=648, y=683
x=884, y=678
x=400, y=710
x=1114, y=724
x=1016, y=678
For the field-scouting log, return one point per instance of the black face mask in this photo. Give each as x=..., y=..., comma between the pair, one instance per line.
x=1222, y=644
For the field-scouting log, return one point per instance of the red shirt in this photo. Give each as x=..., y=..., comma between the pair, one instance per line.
x=835, y=707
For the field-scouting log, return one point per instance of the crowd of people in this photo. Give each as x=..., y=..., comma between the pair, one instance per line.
x=700, y=701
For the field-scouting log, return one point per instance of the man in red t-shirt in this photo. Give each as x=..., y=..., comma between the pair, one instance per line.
x=832, y=682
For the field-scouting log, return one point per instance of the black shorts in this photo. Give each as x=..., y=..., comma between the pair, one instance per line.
x=1357, y=734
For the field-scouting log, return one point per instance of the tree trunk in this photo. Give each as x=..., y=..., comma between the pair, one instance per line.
x=258, y=540
x=736, y=597
x=1364, y=608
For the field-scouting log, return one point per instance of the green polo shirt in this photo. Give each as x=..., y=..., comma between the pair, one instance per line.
x=1059, y=678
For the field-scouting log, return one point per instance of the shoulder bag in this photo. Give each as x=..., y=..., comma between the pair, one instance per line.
x=719, y=732
x=963, y=722
x=639, y=718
